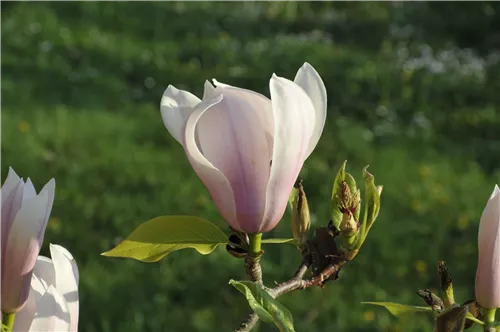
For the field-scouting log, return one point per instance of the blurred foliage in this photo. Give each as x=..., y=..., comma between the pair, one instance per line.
x=413, y=91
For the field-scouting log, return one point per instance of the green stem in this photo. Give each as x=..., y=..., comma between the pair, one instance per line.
x=255, y=244
x=8, y=320
x=489, y=319
x=252, y=265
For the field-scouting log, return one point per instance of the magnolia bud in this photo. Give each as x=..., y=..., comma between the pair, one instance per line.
x=301, y=220
x=488, y=266
x=345, y=202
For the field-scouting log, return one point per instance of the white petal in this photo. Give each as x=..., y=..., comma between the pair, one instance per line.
x=209, y=91
x=38, y=287
x=221, y=85
x=216, y=183
x=44, y=270
x=176, y=106
x=52, y=313
x=308, y=78
x=294, y=120
x=66, y=280
x=234, y=138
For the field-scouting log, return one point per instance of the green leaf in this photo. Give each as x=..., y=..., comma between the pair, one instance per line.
x=158, y=237
x=400, y=309
x=278, y=241
x=265, y=306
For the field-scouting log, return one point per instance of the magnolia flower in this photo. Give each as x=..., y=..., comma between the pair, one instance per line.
x=248, y=149
x=488, y=267
x=24, y=218
x=53, y=298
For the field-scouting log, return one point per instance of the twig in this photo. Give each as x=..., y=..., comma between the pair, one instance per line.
x=254, y=272
x=248, y=323
x=296, y=282
x=302, y=269
x=253, y=269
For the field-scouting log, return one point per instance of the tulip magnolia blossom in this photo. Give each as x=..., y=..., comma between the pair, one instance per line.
x=246, y=148
x=488, y=267
x=24, y=218
x=53, y=299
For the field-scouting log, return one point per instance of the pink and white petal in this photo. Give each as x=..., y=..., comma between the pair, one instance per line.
x=495, y=193
x=52, y=313
x=23, y=247
x=488, y=269
x=294, y=120
x=10, y=185
x=489, y=226
x=49, y=189
x=11, y=181
x=176, y=106
x=233, y=138
x=215, y=181
x=11, y=196
x=309, y=80
x=24, y=318
x=66, y=280
x=266, y=119
x=28, y=191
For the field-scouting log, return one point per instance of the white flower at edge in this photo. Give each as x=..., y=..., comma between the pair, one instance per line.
x=53, y=299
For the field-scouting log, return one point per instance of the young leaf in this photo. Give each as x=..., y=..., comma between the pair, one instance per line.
x=336, y=215
x=337, y=184
x=292, y=196
x=158, y=237
x=371, y=205
x=265, y=306
x=400, y=309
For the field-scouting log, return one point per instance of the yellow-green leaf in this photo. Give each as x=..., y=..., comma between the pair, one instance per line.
x=158, y=237
x=291, y=198
x=469, y=316
x=279, y=241
x=400, y=309
x=265, y=306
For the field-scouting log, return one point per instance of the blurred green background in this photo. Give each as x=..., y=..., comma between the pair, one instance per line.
x=413, y=89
